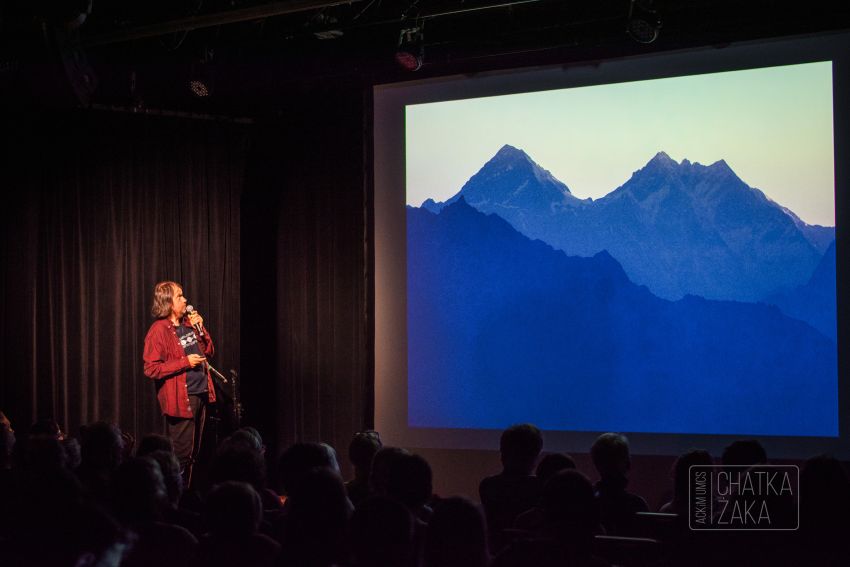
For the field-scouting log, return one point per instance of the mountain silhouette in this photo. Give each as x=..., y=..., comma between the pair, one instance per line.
x=678, y=228
x=815, y=301
x=819, y=236
x=505, y=329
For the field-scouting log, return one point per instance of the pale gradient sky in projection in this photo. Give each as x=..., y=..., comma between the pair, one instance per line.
x=773, y=126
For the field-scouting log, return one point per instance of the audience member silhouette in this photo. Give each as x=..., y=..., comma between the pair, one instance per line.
x=571, y=515
x=138, y=499
x=42, y=453
x=313, y=532
x=73, y=452
x=154, y=442
x=570, y=520
x=240, y=458
x=570, y=510
x=172, y=479
x=617, y=506
x=549, y=465
x=173, y=513
x=361, y=451
x=48, y=427
x=245, y=437
x=686, y=547
x=234, y=513
x=768, y=547
x=301, y=458
x=42, y=492
x=382, y=464
x=741, y=455
x=381, y=534
x=90, y=537
x=515, y=490
x=101, y=451
x=456, y=535
x=746, y=452
x=407, y=478
x=80, y=534
x=682, y=481
x=552, y=463
x=255, y=432
x=43, y=501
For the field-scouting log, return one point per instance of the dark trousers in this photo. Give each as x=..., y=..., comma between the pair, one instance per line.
x=186, y=434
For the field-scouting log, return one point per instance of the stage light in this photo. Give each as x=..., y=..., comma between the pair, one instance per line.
x=328, y=34
x=644, y=21
x=199, y=88
x=201, y=76
x=410, y=54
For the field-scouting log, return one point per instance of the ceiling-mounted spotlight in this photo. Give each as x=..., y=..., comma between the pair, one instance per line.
x=644, y=21
x=328, y=34
x=201, y=76
x=410, y=53
x=199, y=88
x=326, y=26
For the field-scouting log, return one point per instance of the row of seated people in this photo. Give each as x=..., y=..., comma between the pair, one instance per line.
x=96, y=502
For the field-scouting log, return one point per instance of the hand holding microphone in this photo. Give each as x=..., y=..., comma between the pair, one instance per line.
x=198, y=323
x=196, y=320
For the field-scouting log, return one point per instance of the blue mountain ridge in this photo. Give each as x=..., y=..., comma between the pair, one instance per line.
x=505, y=329
x=819, y=236
x=815, y=301
x=678, y=228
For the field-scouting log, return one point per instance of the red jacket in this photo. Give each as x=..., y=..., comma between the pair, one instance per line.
x=166, y=362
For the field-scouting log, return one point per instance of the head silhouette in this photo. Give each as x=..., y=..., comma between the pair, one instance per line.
x=233, y=510
x=301, y=458
x=520, y=445
x=746, y=452
x=553, y=463
x=610, y=455
x=569, y=506
x=362, y=449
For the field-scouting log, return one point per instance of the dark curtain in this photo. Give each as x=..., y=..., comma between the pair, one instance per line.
x=266, y=226
x=98, y=208
x=307, y=284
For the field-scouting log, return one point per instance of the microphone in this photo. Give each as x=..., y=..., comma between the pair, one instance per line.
x=200, y=330
x=190, y=309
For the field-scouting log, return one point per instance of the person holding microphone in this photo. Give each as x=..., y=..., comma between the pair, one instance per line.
x=175, y=352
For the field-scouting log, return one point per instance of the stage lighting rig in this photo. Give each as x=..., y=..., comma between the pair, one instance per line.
x=410, y=53
x=644, y=21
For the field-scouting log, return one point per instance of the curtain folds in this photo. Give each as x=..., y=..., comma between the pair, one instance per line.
x=265, y=226
x=310, y=175
x=99, y=208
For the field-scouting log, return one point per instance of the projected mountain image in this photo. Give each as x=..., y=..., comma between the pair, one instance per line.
x=684, y=301
x=678, y=228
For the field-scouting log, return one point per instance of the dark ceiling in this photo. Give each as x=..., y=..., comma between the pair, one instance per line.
x=252, y=53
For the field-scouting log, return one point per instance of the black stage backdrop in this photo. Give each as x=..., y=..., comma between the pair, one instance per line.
x=265, y=225
x=306, y=269
x=97, y=208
